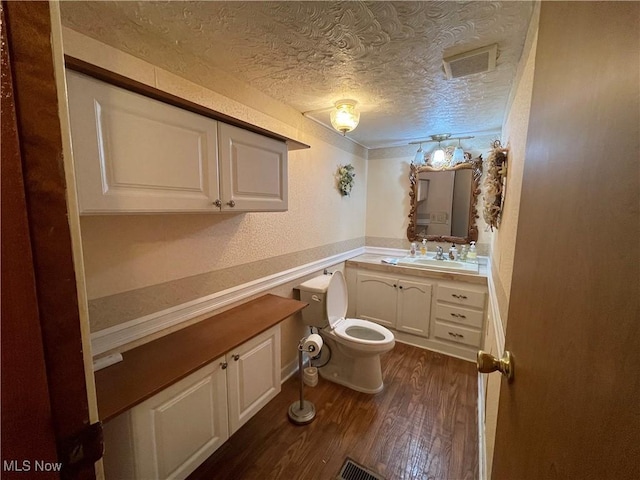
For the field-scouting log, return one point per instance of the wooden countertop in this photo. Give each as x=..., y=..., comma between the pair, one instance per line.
x=154, y=366
x=374, y=262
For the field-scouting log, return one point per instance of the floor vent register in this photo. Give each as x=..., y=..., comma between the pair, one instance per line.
x=352, y=471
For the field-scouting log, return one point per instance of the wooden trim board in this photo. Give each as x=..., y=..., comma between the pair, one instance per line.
x=121, y=81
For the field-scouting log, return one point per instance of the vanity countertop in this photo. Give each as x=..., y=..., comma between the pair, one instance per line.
x=154, y=366
x=374, y=262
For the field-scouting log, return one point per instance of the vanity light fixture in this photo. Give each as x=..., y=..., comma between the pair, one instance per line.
x=419, y=158
x=458, y=155
x=345, y=117
x=440, y=157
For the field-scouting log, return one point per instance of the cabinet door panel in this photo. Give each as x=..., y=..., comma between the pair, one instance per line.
x=253, y=376
x=253, y=170
x=414, y=307
x=135, y=154
x=177, y=429
x=377, y=299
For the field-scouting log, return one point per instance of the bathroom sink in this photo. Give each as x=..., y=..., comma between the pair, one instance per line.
x=430, y=263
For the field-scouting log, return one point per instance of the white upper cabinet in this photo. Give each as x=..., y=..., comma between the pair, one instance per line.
x=134, y=154
x=253, y=170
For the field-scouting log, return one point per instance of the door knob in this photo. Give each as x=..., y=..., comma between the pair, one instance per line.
x=231, y=203
x=487, y=363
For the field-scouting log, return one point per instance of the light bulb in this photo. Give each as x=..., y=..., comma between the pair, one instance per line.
x=437, y=157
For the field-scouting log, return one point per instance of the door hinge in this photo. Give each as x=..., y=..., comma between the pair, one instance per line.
x=81, y=450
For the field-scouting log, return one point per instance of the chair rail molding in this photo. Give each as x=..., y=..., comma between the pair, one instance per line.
x=117, y=336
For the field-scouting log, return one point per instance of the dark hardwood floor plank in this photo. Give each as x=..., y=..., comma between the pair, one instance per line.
x=422, y=426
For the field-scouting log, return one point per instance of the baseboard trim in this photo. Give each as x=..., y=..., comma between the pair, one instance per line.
x=288, y=371
x=120, y=335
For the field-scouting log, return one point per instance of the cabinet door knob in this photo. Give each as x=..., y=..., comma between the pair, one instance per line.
x=231, y=203
x=224, y=365
x=236, y=357
x=462, y=297
x=217, y=203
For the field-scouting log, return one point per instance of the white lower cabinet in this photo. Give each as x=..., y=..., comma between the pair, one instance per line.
x=171, y=433
x=460, y=312
x=395, y=302
x=253, y=377
x=444, y=315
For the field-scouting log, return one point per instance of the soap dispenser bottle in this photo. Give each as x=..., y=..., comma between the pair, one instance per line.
x=453, y=252
x=472, y=256
x=423, y=247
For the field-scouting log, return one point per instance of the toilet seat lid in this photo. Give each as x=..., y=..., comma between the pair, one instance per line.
x=337, y=299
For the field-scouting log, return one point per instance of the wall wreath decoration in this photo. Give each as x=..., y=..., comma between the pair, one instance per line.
x=345, y=178
x=495, y=185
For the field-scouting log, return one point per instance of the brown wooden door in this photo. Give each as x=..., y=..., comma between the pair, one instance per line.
x=572, y=410
x=45, y=407
x=27, y=422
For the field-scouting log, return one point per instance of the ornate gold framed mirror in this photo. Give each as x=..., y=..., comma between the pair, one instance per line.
x=443, y=202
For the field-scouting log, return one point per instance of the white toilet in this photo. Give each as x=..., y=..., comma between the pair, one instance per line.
x=355, y=345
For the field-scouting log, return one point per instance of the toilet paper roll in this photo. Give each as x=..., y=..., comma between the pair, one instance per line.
x=312, y=344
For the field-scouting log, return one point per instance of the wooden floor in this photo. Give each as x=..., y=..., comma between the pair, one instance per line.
x=422, y=426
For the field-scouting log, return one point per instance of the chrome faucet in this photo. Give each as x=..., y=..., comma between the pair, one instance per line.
x=439, y=253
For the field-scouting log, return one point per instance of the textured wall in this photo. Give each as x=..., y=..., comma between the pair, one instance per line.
x=514, y=136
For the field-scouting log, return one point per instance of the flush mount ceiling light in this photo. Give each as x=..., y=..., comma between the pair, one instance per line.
x=344, y=117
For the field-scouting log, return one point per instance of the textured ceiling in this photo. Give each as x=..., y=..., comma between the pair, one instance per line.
x=386, y=55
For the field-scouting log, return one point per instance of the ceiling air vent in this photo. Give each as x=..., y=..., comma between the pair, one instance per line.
x=479, y=60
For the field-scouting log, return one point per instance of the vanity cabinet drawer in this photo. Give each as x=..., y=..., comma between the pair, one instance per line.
x=463, y=316
x=458, y=334
x=461, y=297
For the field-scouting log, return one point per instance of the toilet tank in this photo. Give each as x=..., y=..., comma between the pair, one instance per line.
x=314, y=292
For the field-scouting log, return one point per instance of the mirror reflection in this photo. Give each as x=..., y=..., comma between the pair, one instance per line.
x=443, y=202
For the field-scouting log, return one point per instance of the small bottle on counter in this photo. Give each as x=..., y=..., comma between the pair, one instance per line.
x=472, y=256
x=453, y=252
x=423, y=247
x=413, y=249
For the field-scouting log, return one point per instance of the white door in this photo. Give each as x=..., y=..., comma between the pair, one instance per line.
x=572, y=410
x=377, y=298
x=135, y=154
x=253, y=171
x=253, y=376
x=414, y=307
x=177, y=429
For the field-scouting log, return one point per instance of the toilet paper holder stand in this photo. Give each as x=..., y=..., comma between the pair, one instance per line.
x=303, y=411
